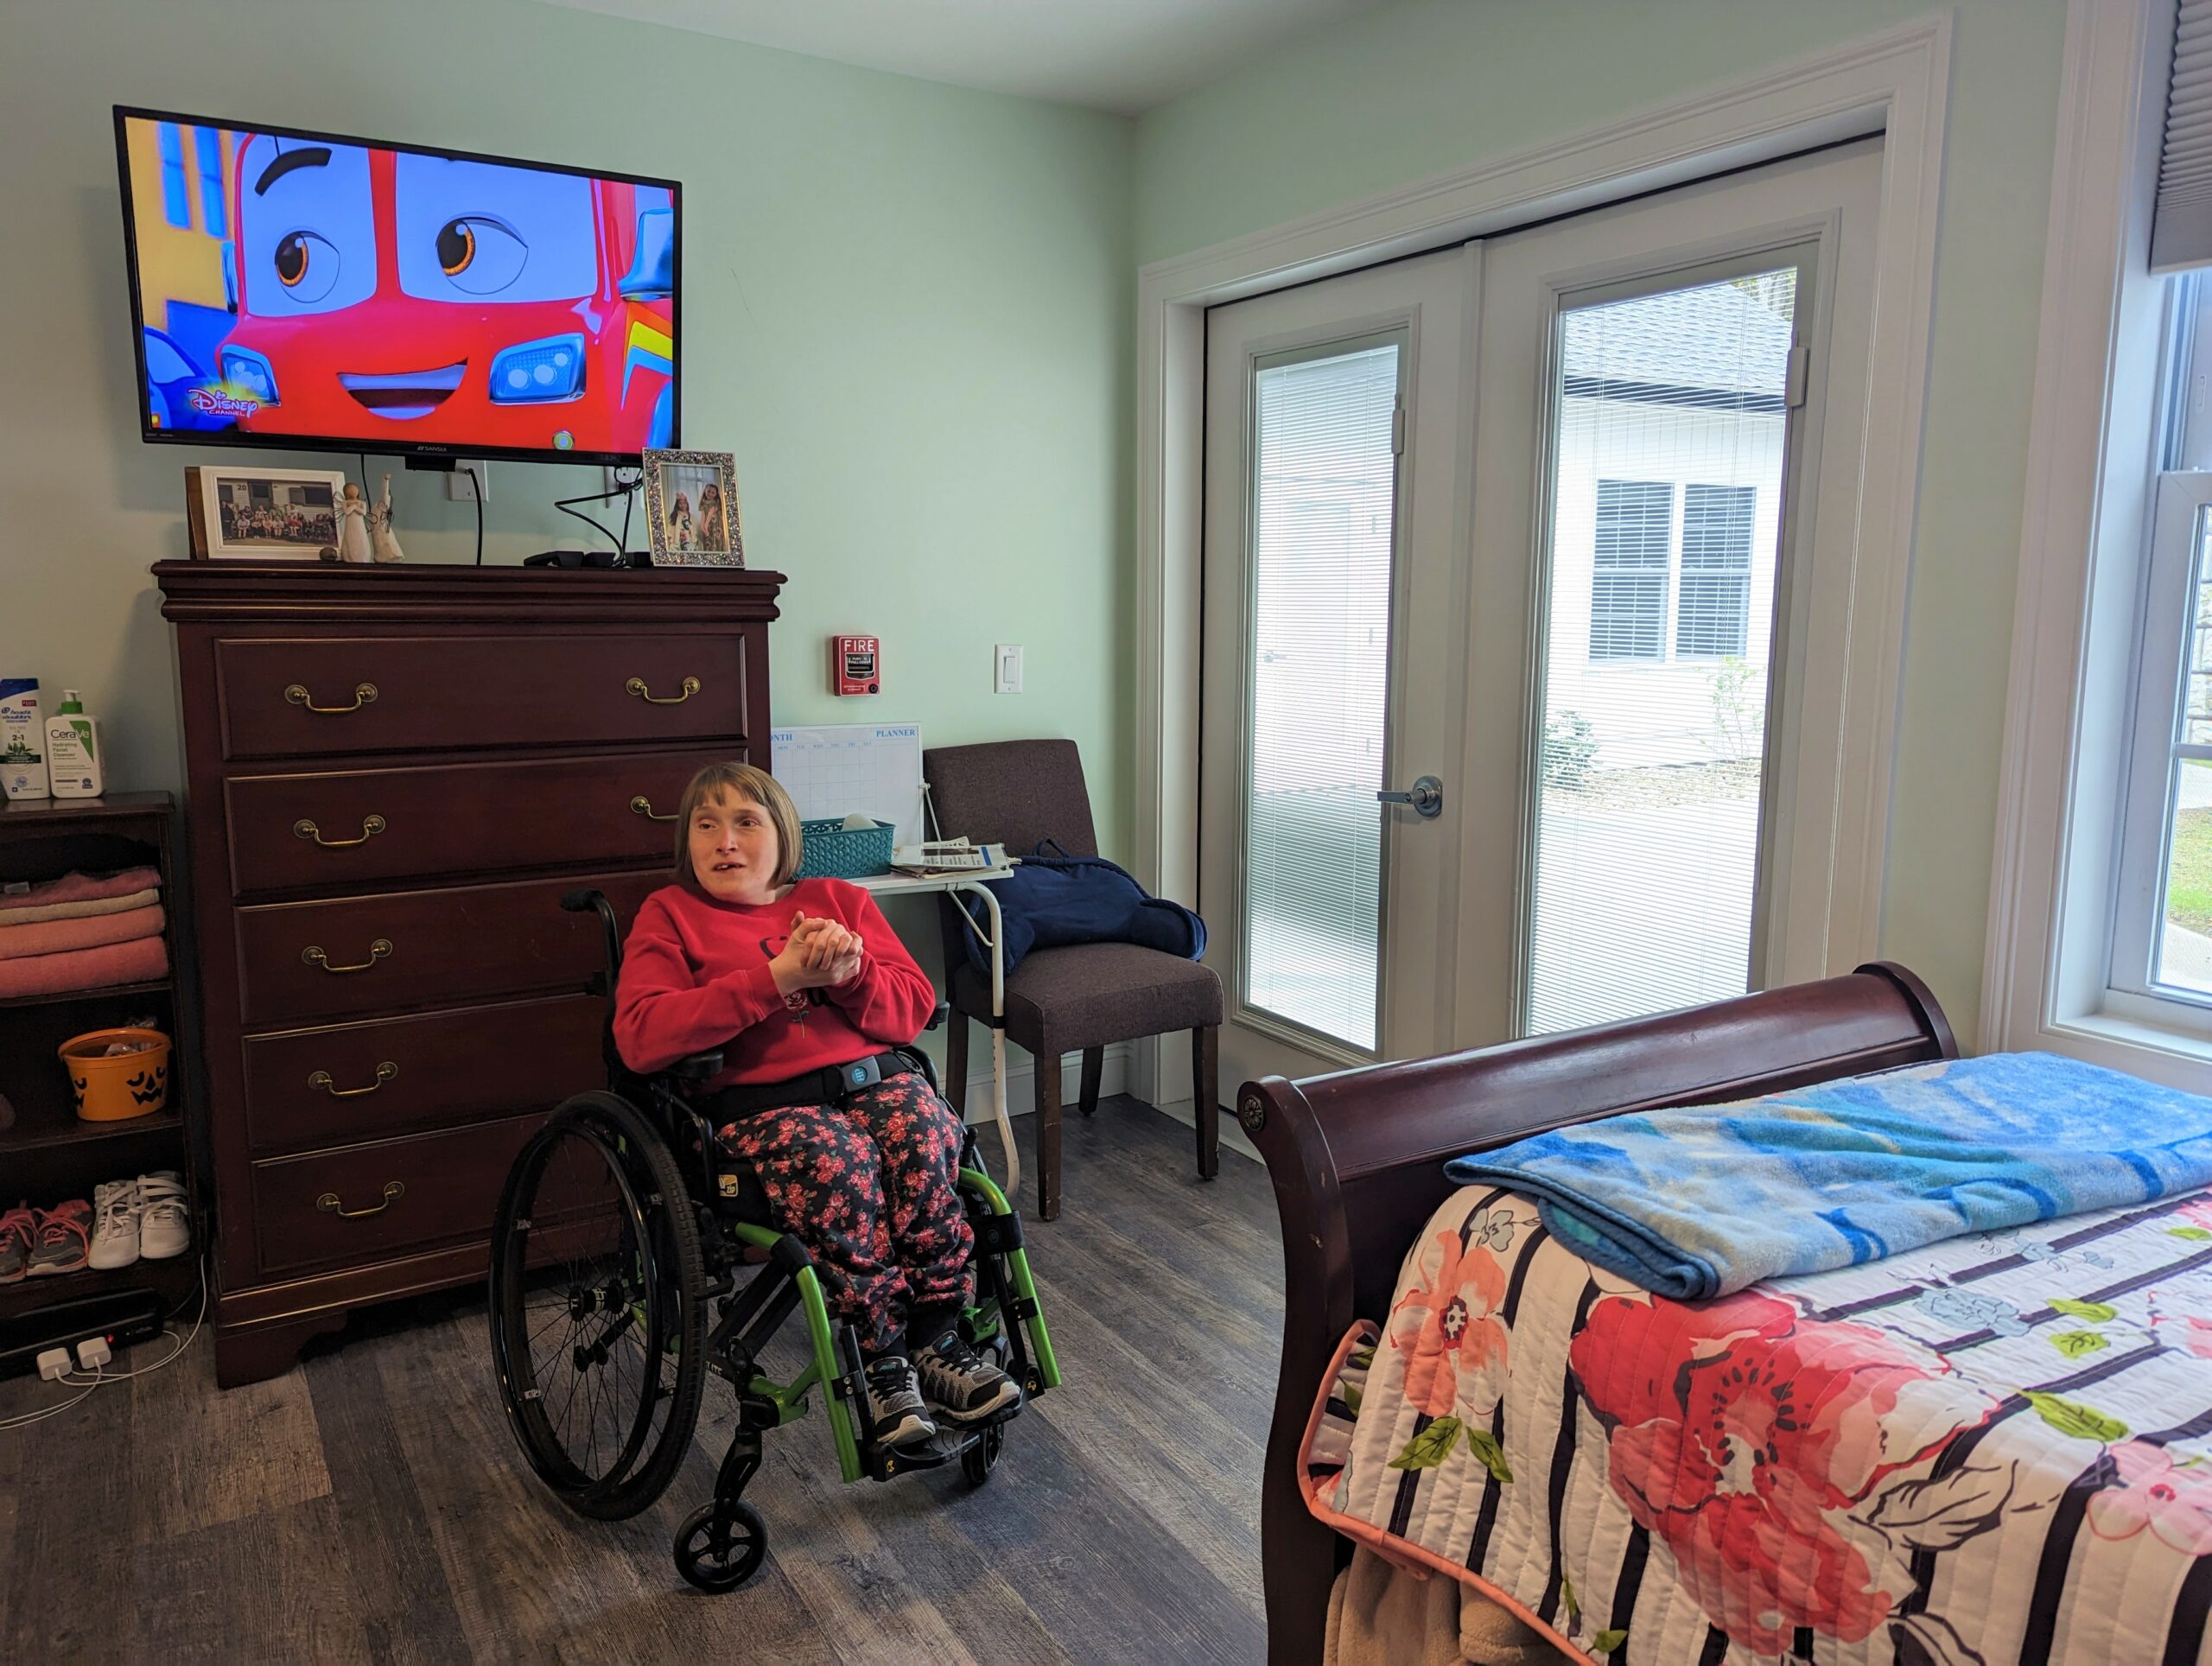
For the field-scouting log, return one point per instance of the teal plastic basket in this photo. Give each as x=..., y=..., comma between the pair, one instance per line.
x=830, y=850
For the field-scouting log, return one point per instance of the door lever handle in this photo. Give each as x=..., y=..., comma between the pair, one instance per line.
x=1426, y=796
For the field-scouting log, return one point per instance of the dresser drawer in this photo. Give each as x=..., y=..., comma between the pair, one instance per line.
x=302, y=962
x=368, y=1202
x=331, y=697
x=294, y=832
x=306, y=1089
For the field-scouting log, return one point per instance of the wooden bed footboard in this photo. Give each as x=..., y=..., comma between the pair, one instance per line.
x=1357, y=1161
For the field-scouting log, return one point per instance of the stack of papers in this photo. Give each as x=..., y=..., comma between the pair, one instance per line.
x=946, y=857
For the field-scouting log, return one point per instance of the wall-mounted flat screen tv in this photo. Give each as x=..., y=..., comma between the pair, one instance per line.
x=313, y=291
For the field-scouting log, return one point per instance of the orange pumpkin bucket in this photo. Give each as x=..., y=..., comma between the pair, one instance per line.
x=113, y=1089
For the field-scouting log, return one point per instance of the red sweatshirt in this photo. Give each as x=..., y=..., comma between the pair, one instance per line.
x=694, y=976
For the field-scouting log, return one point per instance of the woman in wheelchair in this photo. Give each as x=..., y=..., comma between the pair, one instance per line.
x=808, y=994
x=770, y=1145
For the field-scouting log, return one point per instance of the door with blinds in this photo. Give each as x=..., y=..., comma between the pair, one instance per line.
x=1512, y=571
x=1333, y=452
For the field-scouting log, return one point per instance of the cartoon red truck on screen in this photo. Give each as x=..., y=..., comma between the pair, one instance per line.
x=398, y=296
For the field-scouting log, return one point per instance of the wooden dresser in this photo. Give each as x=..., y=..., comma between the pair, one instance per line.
x=392, y=775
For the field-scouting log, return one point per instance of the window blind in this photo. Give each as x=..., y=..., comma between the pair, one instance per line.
x=1325, y=508
x=2181, y=229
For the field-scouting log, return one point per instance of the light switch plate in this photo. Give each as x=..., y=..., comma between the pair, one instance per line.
x=1007, y=677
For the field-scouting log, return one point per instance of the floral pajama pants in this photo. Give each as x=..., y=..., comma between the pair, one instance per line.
x=867, y=1187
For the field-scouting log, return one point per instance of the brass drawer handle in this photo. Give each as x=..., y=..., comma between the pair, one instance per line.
x=370, y=826
x=365, y=694
x=314, y=956
x=643, y=806
x=637, y=685
x=320, y=1079
x=329, y=1204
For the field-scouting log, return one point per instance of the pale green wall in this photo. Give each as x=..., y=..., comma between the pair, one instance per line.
x=1436, y=85
x=906, y=311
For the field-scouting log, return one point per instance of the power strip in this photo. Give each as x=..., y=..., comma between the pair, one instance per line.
x=112, y=1321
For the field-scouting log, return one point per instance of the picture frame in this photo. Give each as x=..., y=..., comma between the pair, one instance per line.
x=249, y=513
x=683, y=491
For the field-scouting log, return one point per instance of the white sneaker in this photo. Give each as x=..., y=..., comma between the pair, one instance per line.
x=115, y=1225
x=165, y=1226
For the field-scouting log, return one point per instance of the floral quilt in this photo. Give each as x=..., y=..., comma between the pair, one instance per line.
x=1994, y=1449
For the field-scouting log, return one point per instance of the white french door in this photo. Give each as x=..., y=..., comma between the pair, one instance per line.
x=1333, y=439
x=1529, y=533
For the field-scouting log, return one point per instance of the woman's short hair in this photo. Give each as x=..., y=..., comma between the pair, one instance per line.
x=747, y=782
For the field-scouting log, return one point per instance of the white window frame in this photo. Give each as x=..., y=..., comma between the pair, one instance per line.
x=2060, y=919
x=2184, y=498
x=1667, y=572
x=1743, y=575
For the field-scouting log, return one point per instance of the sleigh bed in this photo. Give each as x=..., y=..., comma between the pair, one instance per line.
x=1357, y=1161
x=1971, y=1426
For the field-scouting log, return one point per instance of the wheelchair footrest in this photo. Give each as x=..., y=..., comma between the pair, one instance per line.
x=944, y=1447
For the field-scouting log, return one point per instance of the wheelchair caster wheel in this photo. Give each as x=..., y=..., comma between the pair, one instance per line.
x=978, y=1461
x=718, y=1562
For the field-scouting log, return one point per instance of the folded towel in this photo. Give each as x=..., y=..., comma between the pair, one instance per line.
x=77, y=888
x=54, y=936
x=86, y=910
x=138, y=962
x=1703, y=1202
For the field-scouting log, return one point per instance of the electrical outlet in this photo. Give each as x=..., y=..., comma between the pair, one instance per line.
x=1006, y=676
x=463, y=487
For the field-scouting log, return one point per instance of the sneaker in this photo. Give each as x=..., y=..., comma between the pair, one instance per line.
x=18, y=1233
x=116, y=1207
x=65, y=1237
x=964, y=1387
x=165, y=1224
x=896, y=1414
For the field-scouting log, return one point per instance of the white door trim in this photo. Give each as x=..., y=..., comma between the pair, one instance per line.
x=1893, y=83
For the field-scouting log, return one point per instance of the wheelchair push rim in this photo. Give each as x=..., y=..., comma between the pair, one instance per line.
x=597, y=1315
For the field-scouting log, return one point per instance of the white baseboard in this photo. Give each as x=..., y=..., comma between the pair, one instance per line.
x=1232, y=1132
x=1021, y=1077
x=1113, y=1077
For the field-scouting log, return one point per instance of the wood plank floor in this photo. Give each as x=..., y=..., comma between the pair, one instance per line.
x=371, y=1505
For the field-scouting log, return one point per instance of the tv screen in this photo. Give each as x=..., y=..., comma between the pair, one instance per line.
x=308, y=290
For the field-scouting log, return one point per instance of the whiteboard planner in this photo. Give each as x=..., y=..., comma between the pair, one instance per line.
x=844, y=769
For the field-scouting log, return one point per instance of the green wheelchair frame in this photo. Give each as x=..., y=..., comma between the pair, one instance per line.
x=687, y=1222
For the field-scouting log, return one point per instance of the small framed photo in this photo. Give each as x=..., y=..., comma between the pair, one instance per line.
x=264, y=514
x=691, y=509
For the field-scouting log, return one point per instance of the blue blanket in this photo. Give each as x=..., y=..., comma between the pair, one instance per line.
x=1702, y=1202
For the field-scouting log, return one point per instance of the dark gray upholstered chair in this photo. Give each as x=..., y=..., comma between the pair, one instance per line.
x=1060, y=1000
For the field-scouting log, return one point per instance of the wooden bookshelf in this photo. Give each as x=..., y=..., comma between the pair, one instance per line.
x=48, y=1156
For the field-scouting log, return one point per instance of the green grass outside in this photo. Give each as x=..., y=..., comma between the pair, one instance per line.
x=2189, y=881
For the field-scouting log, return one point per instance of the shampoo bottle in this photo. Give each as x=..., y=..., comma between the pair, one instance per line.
x=75, y=763
x=23, y=738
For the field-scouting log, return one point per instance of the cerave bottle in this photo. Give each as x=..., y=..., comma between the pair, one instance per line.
x=76, y=767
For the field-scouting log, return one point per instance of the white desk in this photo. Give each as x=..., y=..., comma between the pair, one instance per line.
x=972, y=880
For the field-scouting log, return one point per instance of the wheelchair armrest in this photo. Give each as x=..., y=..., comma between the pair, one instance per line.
x=937, y=1017
x=699, y=1067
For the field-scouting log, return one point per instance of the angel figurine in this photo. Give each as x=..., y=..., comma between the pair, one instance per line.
x=387, y=547
x=354, y=525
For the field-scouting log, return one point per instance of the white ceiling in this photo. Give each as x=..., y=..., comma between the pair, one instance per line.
x=1122, y=56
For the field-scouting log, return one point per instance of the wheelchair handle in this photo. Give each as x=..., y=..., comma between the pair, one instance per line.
x=586, y=901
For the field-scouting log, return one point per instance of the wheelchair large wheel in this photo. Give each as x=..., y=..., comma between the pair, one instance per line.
x=598, y=1320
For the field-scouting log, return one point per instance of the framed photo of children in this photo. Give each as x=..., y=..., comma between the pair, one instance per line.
x=250, y=514
x=691, y=509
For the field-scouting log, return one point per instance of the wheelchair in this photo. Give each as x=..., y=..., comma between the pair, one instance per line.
x=631, y=1260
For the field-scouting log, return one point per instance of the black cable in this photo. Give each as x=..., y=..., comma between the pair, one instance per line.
x=625, y=491
x=476, y=490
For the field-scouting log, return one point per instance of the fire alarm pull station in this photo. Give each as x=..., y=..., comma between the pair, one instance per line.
x=855, y=665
